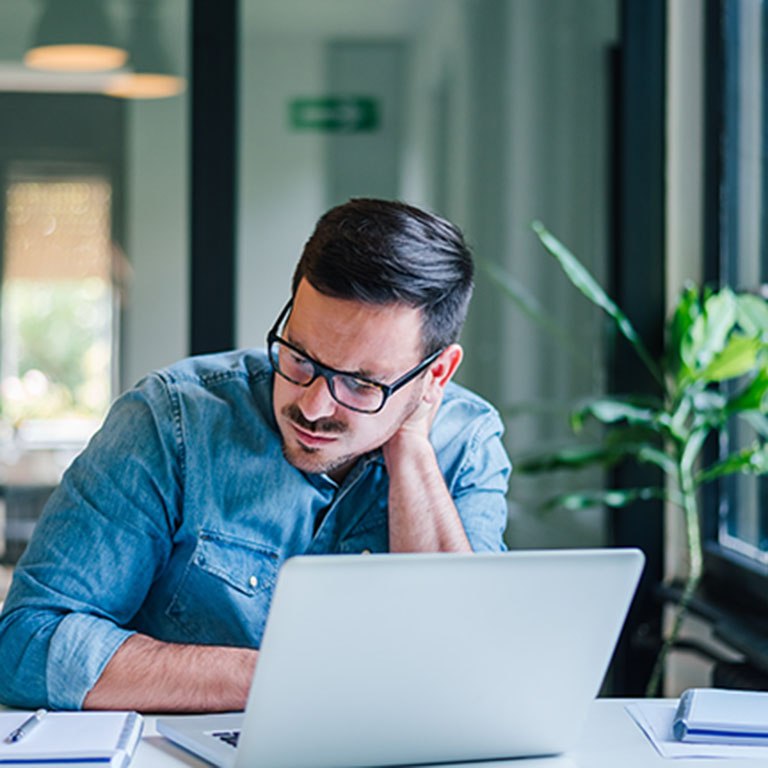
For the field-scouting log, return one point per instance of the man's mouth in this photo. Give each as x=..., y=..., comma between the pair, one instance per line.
x=312, y=434
x=312, y=439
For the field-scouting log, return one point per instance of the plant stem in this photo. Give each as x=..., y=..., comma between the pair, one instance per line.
x=695, y=562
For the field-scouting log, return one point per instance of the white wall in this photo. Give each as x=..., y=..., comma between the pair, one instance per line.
x=156, y=321
x=366, y=163
x=282, y=183
x=289, y=176
x=156, y=316
x=433, y=160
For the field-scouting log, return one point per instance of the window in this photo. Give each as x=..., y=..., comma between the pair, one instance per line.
x=737, y=521
x=743, y=525
x=57, y=308
x=62, y=193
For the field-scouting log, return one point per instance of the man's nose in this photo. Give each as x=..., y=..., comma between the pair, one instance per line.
x=316, y=401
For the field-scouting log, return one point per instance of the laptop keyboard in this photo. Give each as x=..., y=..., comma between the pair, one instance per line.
x=228, y=737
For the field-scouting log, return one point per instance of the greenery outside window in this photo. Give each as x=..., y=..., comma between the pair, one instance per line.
x=58, y=318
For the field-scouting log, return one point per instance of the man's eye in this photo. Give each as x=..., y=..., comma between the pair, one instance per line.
x=298, y=360
x=295, y=364
x=359, y=385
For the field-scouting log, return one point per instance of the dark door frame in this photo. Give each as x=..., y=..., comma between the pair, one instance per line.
x=213, y=198
x=638, y=285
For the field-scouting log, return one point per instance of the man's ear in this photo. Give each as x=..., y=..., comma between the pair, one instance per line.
x=441, y=371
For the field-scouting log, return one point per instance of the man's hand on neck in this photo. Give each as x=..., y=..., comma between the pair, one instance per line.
x=422, y=515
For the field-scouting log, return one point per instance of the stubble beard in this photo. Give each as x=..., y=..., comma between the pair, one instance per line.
x=306, y=458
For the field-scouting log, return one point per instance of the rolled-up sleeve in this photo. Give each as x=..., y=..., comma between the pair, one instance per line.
x=103, y=537
x=480, y=487
x=467, y=437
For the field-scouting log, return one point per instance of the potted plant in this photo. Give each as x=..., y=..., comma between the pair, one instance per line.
x=713, y=368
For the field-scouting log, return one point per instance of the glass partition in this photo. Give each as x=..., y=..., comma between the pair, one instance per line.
x=490, y=112
x=93, y=226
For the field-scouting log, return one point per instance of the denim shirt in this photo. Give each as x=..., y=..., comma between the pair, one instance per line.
x=175, y=520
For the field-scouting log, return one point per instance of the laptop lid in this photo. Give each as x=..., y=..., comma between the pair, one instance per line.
x=400, y=659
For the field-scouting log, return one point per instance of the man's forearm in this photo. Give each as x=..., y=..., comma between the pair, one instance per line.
x=148, y=675
x=422, y=515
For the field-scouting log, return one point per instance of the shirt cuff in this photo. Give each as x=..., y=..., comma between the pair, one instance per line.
x=485, y=540
x=81, y=646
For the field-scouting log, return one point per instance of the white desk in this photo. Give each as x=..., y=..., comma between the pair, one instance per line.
x=611, y=740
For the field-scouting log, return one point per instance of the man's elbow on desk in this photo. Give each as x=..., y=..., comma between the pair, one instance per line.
x=23, y=644
x=148, y=675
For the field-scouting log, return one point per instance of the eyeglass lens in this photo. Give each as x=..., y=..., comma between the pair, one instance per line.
x=346, y=389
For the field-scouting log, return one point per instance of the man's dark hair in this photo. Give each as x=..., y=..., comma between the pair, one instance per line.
x=385, y=252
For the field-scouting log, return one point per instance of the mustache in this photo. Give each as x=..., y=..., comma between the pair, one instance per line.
x=327, y=426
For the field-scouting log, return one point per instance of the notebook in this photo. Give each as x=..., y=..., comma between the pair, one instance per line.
x=717, y=716
x=98, y=738
x=402, y=659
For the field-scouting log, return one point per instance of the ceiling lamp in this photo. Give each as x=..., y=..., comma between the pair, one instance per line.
x=152, y=76
x=74, y=36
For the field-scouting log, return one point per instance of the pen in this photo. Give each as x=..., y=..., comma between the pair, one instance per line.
x=31, y=722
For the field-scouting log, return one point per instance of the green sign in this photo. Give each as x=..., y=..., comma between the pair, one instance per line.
x=335, y=114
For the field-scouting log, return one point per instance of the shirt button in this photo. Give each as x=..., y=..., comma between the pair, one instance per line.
x=366, y=552
x=253, y=581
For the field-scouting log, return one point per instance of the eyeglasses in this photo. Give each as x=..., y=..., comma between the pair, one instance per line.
x=354, y=392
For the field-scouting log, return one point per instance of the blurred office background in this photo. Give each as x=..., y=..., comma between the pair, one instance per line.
x=489, y=112
x=155, y=205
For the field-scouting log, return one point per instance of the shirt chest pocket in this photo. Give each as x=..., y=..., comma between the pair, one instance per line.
x=225, y=593
x=371, y=539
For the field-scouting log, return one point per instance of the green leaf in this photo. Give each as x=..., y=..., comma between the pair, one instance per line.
x=571, y=458
x=749, y=461
x=631, y=434
x=614, y=499
x=752, y=396
x=687, y=309
x=737, y=358
x=752, y=315
x=587, y=284
x=611, y=410
x=709, y=332
x=652, y=455
x=578, y=457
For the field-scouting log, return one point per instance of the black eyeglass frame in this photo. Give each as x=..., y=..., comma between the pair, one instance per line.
x=329, y=373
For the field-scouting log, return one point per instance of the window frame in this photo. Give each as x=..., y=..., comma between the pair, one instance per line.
x=29, y=171
x=734, y=581
x=59, y=135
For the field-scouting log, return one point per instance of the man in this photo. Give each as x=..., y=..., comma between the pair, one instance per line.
x=147, y=582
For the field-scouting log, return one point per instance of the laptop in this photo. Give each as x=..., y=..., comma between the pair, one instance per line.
x=402, y=659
